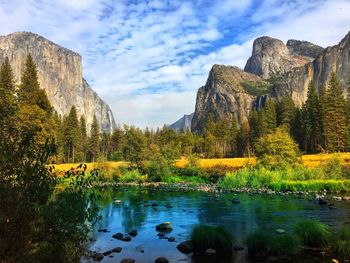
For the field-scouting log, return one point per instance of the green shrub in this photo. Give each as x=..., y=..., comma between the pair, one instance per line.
x=132, y=176
x=158, y=169
x=341, y=243
x=277, y=149
x=217, y=172
x=188, y=171
x=332, y=169
x=313, y=233
x=284, y=245
x=218, y=238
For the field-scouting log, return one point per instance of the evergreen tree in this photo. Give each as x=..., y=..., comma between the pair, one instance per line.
x=29, y=92
x=8, y=102
x=270, y=115
x=334, y=115
x=285, y=112
x=82, y=146
x=94, y=141
x=347, y=113
x=254, y=125
x=233, y=135
x=312, y=119
x=71, y=135
x=297, y=130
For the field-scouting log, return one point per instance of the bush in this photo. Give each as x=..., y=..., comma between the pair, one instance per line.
x=341, y=244
x=277, y=149
x=217, y=172
x=132, y=176
x=218, y=238
x=158, y=169
x=189, y=171
x=312, y=233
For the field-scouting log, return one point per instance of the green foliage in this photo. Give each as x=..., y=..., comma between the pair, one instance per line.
x=263, y=244
x=277, y=149
x=94, y=140
x=256, y=88
x=135, y=145
x=334, y=115
x=341, y=242
x=218, y=238
x=312, y=233
x=132, y=176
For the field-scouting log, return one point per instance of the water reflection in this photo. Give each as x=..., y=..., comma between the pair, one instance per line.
x=143, y=209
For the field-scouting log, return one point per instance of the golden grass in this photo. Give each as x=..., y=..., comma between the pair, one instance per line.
x=310, y=160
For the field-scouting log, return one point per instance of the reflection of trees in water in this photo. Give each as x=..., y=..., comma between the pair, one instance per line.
x=251, y=213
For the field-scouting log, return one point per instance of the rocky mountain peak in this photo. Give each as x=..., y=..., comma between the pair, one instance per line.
x=271, y=56
x=59, y=73
x=304, y=48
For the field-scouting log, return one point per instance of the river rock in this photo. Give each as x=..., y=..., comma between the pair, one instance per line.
x=164, y=226
x=127, y=238
x=171, y=239
x=322, y=201
x=162, y=260
x=185, y=247
x=127, y=260
x=118, y=236
x=97, y=256
x=238, y=248
x=235, y=201
x=117, y=249
x=161, y=234
x=210, y=252
x=133, y=233
x=280, y=231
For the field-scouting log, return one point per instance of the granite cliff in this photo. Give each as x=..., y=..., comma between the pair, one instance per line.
x=274, y=70
x=183, y=123
x=60, y=74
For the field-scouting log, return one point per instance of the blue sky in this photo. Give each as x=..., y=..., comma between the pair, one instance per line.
x=147, y=59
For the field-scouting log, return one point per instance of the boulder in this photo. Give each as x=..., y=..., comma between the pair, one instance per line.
x=162, y=260
x=127, y=260
x=133, y=233
x=185, y=247
x=97, y=256
x=164, y=226
x=210, y=252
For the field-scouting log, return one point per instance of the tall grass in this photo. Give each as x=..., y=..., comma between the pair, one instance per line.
x=341, y=243
x=262, y=244
x=313, y=233
x=218, y=238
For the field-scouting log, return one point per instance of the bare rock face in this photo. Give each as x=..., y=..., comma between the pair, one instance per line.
x=182, y=124
x=60, y=74
x=223, y=96
x=335, y=58
x=230, y=91
x=271, y=56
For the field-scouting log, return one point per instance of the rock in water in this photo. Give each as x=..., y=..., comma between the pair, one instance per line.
x=166, y=226
x=133, y=233
x=185, y=247
x=162, y=260
x=280, y=231
x=127, y=260
x=60, y=75
x=235, y=201
x=97, y=257
x=210, y=252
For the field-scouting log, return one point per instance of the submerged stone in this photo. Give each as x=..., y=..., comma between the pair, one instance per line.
x=162, y=260
x=164, y=226
x=97, y=257
x=185, y=247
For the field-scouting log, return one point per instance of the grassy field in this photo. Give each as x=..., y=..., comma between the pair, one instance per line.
x=312, y=160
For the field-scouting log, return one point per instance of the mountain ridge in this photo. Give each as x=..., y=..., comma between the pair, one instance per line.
x=60, y=75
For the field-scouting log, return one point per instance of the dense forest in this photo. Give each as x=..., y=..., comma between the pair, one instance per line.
x=322, y=124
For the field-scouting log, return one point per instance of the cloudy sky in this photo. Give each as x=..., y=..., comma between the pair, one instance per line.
x=147, y=59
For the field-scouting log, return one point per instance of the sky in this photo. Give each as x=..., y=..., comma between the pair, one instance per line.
x=147, y=59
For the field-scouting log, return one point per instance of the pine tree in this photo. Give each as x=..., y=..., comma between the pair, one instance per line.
x=94, y=142
x=254, y=125
x=347, y=113
x=82, y=139
x=312, y=119
x=270, y=114
x=285, y=112
x=233, y=135
x=8, y=101
x=71, y=135
x=334, y=115
x=297, y=130
x=29, y=92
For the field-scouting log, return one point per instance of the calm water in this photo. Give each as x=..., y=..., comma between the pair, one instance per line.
x=192, y=208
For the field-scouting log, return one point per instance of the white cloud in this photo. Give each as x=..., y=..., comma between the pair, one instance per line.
x=148, y=58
